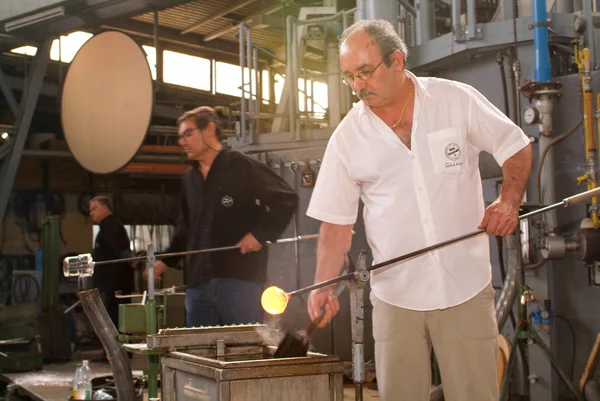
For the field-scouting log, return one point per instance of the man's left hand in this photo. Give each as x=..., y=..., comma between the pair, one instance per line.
x=501, y=218
x=249, y=244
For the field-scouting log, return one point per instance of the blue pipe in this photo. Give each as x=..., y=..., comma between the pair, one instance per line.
x=543, y=71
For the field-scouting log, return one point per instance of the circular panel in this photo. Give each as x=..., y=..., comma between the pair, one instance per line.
x=107, y=102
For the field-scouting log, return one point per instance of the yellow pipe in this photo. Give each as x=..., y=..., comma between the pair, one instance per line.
x=582, y=58
x=588, y=107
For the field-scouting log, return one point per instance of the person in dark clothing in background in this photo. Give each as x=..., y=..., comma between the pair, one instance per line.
x=112, y=242
x=227, y=198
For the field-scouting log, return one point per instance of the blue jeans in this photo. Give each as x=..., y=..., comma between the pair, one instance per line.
x=223, y=301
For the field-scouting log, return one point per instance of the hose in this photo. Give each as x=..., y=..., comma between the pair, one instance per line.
x=554, y=141
x=574, y=347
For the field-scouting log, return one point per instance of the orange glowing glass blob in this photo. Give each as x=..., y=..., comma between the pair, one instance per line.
x=274, y=300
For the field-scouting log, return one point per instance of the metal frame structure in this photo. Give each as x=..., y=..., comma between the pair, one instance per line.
x=10, y=164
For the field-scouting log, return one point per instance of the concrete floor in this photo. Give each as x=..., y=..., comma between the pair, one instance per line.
x=54, y=382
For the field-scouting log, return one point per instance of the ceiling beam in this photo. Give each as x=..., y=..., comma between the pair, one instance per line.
x=221, y=50
x=82, y=16
x=234, y=25
x=219, y=14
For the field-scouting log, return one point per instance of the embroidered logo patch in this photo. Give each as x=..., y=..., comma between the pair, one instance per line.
x=227, y=201
x=452, y=151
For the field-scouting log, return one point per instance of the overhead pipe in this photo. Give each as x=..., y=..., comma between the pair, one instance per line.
x=258, y=99
x=292, y=92
x=242, y=131
x=543, y=70
x=250, y=89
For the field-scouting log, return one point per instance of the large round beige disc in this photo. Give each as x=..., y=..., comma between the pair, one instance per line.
x=107, y=102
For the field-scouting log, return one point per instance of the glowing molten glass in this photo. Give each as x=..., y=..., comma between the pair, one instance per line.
x=274, y=300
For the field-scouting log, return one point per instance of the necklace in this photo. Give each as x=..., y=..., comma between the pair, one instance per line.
x=394, y=125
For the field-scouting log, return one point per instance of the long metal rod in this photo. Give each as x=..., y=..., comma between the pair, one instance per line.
x=224, y=248
x=572, y=200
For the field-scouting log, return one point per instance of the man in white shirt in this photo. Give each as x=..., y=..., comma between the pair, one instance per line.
x=409, y=149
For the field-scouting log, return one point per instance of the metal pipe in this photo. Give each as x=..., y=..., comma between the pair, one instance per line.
x=359, y=13
x=268, y=53
x=289, y=28
x=157, y=66
x=296, y=72
x=347, y=90
x=572, y=200
x=456, y=14
x=74, y=265
x=258, y=99
x=586, y=6
x=408, y=7
x=294, y=168
x=543, y=70
x=242, y=131
x=471, y=19
x=509, y=288
x=424, y=19
x=517, y=73
x=150, y=261
x=250, y=81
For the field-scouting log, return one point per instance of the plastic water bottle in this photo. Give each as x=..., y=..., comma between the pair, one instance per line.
x=84, y=386
x=76, y=381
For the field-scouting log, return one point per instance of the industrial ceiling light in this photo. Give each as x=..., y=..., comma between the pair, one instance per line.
x=5, y=135
x=34, y=18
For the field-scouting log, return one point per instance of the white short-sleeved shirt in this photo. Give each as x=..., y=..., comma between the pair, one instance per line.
x=418, y=197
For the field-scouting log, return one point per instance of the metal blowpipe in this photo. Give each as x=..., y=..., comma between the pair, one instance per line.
x=84, y=264
x=570, y=201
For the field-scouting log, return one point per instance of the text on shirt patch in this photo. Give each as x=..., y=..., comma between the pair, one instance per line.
x=453, y=153
x=227, y=201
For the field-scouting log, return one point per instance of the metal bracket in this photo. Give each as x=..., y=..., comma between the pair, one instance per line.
x=546, y=24
x=460, y=33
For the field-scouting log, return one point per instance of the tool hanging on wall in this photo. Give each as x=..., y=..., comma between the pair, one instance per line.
x=308, y=176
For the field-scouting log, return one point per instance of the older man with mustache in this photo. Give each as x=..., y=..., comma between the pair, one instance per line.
x=409, y=150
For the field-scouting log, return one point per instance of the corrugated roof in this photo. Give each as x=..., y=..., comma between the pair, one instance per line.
x=184, y=16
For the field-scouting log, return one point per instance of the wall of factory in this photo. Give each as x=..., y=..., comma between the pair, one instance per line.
x=565, y=282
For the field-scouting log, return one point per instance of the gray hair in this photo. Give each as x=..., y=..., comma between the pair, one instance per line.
x=383, y=33
x=103, y=200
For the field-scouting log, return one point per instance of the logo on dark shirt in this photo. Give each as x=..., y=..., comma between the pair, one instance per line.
x=227, y=201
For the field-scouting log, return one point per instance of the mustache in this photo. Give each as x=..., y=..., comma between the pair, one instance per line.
x=365, y=92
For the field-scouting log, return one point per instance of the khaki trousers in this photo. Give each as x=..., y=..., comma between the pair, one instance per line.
x=464, y=339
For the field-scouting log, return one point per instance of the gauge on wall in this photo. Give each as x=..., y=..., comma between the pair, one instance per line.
x=531, y=115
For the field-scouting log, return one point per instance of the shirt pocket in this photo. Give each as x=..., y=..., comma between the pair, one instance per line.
x=448, y=149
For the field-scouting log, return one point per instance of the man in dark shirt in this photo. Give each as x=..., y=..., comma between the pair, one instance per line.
x=112, y=242
x=227, y=198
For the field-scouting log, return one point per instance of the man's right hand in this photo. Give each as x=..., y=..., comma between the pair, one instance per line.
x=159, y=268
x=323, y=298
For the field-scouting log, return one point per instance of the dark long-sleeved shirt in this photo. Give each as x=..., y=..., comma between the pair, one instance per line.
x=112, y=242
x=239, y=196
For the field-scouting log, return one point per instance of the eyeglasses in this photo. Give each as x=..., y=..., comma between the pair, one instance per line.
x=348, y=79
